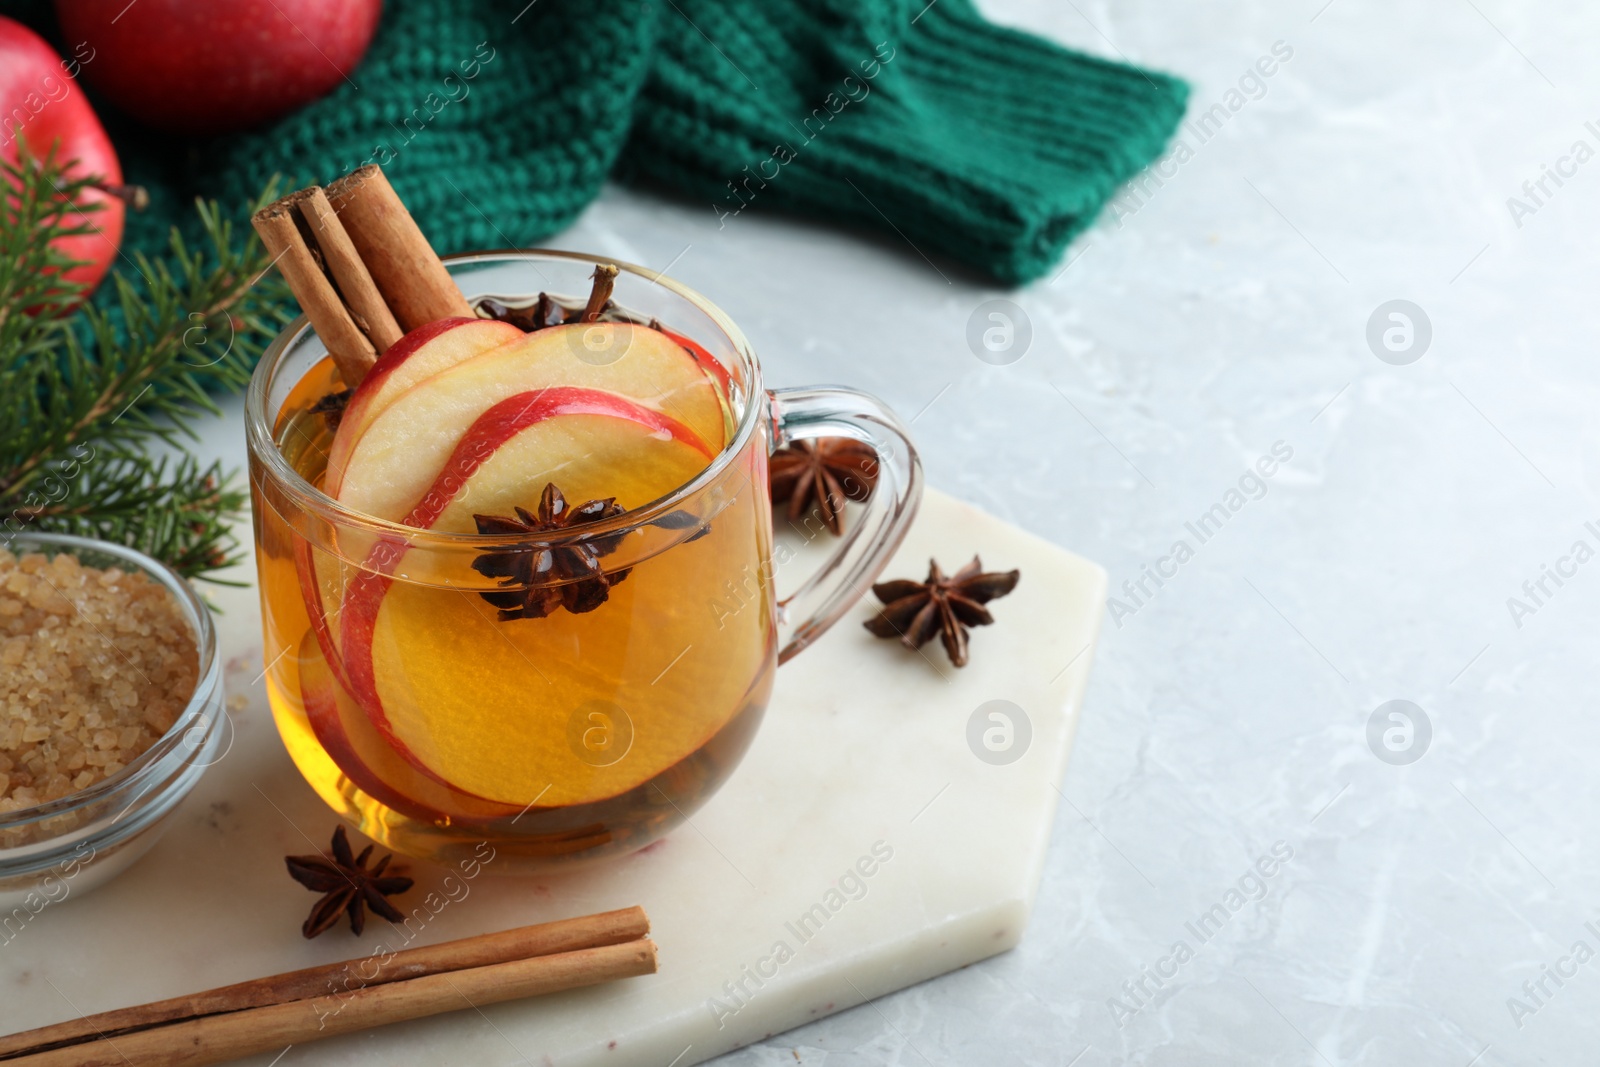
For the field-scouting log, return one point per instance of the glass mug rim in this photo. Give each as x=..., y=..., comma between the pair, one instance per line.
x=263, y=445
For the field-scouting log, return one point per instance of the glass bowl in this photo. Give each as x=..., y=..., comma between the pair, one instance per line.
x=76, y=843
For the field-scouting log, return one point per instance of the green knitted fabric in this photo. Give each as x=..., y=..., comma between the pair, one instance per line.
x=988, y=145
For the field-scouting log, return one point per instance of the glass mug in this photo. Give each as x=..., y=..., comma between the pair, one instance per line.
x=431, y=724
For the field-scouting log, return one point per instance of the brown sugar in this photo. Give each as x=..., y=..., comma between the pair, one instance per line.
x=95, y=665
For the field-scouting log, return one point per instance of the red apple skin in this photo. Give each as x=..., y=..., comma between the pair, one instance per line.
x=38, y=91
x=216, y=66
x=365, y=592
x=335, y=719
x=487, y=334
x=711, y=365
x=404, y=444
x=329, y=713
x=516, y=413
x=401, y=351
x=320, y=701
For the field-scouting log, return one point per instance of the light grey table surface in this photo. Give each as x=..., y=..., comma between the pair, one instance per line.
x=1222, y=312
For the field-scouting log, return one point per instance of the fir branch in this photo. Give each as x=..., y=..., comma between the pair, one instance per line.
x=34, y=297
x=86, y=389
x=179, y=515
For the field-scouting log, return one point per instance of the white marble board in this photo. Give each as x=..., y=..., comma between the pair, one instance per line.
x=863, y=765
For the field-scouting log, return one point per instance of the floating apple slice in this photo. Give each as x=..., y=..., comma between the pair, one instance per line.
x=418, y=355
x=406, y=445
x=372, y=766
x=311, y=587
x=602, y=448
x=592, y=444
x=709, y=364
x=507, y=710
x=345, y=732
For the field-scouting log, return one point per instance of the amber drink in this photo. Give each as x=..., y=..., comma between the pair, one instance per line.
x=533, y=603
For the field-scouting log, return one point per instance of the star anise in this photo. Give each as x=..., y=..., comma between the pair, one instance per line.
x=540, y=577
x=527, y=318
x=549, y=311
x=347, y=886
x=331, y=408
x=825, y=473
x=915, y=611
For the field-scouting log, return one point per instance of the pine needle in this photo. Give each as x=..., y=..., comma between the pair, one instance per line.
x=98, y=400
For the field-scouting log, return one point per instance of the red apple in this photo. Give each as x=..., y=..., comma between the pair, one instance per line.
x=213, y=66
x=41, y=100
x=418, y=355
x=404, y=447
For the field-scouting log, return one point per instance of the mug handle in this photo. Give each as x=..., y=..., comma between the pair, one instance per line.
x=832, y=411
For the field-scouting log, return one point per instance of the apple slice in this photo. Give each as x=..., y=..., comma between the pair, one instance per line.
x=346, y=733
x=400, y=639
x=710, y=365
x=418, y=355
x=592, y=444
x=406, y=445
x=347, y=737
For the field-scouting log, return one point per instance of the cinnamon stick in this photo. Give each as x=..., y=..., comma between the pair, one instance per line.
x=372, y=316
x=414, y=283
x=523, y=942
x=216, y=1038
x=277, y=223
